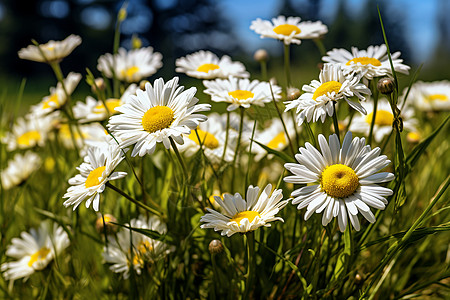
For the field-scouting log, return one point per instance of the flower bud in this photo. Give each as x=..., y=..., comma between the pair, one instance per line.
x=136, y=43
x=122, y=15
x=99, y=84
x=215, y=247
x=292, y=93
x=358, y=279
x=386, y=85
x=261, y=55
x=107, y=226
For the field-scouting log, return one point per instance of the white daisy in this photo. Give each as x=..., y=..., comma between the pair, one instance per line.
x=52, y=51
x=28, y=132
x=94, y=110
x=130, y=66
x=143, y=249
x=34, y=251
x=84, y=136
x=206, y=65
x=245, y=215
x=273, y=136
x=96, y=170
x=212, y=135
x=370, y=63
x=154, y=115
x=316, y=102
x=289, y=30
x=343, y=180
x=383, y=120
x=57, y=97
x=19, y=169
x=429, y=96
x=241, y=92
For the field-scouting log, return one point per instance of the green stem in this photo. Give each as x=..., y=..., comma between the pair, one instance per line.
x=320, y=46
x=250, y=263
x=264, y=70
x=236, y=151
x=335, y=122
x=310, y=133
x=226, y=138
x=374, y=113
x=138, y=203
x=183, y=166
x=287, y=66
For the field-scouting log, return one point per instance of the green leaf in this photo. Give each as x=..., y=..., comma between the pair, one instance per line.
x=283, y=156
x=342, y=262
x=150, y=233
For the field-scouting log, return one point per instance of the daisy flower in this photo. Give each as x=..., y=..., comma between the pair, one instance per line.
x=96, y=170
x=84, y=136
x=429, y=96
x=19, y=169
x=94, y=110
x=212, y=135
x=57, y=97
x=289, y=30
x=273, y=136
x=245, y=215
x=130, y=66
x=370, y=63
x=28, y=132
x=340, y=182
x=34, y=251
x=316, y=102
x=154, y=115
x=383, y=120
x=143, y=249
x=52, y=51
x=241, y=92
x=206, y=65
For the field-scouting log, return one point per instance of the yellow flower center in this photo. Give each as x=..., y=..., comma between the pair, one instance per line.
x=276, y=141
x=52, y=99
x=327, y=87
x=64, y=132
x=93, y=177
x=339, y=181
x=29, y=138
x=248, y=214
x=383, y=118
x=205, y=68
x=438, y=97
x=140, y=252
x=208, y=139
x=40, y=255
x=413, y=137
x=128, y=73
x=111, y=104
x=241, y=94
x=286, y=29
x=157, y=118
x=365, y=61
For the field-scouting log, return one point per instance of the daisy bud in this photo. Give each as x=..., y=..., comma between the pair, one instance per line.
x=99, y=84
x=136, y=42
x=108, y=225
x=122, y=15
x=293, y=93
x=215, y=247
x=358, y=279
x=261, y=55
x=386, y=85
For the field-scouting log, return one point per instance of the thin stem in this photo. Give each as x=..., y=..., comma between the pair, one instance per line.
x=236, y=151
x=320, y=46
x=287, y=66
x=183, y=166
x=226, y=138
x=250, y=263
x=128, y=197
x=264, y=70
x=335, y=122
x=310, y=133
x=374, y=113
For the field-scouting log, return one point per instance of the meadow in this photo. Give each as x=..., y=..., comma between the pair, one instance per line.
x=243, y=188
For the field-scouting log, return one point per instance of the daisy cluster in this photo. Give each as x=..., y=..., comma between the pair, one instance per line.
x=132, y=120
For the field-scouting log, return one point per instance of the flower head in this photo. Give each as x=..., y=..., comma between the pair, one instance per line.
x=206, y=65
x=289, y=30
x=123, y=255
x=429, y=96
x=245, y=215
x=52, y=51
x=317, y=101
x=154, y=115
x=130, y=66
x=96, y=170
x=341, y=181
x=370, y=63
x=34, y=251
x=19, y=169
x=241, y=92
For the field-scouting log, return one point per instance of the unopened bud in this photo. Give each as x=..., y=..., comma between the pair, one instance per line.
x=106, y=225
x=273, y=81
x=358, y=279
x=293, y=93
x=136, y=43
x=122, y=15
x=261, y=55
x=215, y=247
x=99, y=84
x=386, y=85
